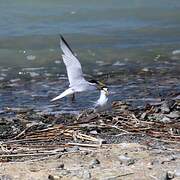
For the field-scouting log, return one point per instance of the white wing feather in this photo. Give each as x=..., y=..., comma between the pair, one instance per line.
x=63, y=94
x=73, y=66
x=74, y=70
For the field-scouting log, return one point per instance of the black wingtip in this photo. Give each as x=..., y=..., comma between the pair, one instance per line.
x=61, y=37
x=64, y=41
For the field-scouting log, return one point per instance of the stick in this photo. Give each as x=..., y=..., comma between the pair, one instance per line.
x=84, y=145
x=27, y=155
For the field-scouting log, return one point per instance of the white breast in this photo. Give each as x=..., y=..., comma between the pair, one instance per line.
x=102, y=102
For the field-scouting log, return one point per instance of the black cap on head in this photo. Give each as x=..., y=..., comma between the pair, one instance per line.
x=100, y=84
x=93, y=81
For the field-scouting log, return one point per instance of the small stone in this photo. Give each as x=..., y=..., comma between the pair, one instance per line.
x=72, y=149
x=86, y=174
x=94, y=163
x=169, y=175
x=61, y=166
x=165, y=108
x=150, y=165
x=143, y=115
x=52, y=177
x=155, y=162
x=177, y=173
x=174, y=114
x=93, y=132
x=124, y=159
x=5, y=177
x=65, y=172
x=166, y=120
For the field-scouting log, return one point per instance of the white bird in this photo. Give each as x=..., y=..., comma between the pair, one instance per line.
x=102, y=102
x=77, y=82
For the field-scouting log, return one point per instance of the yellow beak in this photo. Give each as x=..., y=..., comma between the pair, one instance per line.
x=106, y=91
x=100, y=85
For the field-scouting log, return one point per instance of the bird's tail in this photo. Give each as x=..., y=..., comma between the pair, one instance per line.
x=63, y=94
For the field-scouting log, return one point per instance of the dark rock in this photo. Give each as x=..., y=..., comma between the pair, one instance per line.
x=61, y=166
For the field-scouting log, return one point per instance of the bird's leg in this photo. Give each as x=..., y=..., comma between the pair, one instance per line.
x=73, y=98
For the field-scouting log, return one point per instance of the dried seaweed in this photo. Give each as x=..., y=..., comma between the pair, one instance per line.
x=50, y=138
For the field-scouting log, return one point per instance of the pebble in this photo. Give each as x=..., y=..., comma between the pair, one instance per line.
x=166, y=120
x=143, y=115
x=72, y=149
x=165, y=108
x=5, y=177
x=174, y=114
x=124, y=159
x=61, y=166
x=51, y=177
x=93, y=132
x=169, y=175
x=94, y=163
x=86, y=174
x=177, y=173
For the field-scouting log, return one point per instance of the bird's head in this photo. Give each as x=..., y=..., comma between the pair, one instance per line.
x=105, y=91
x=99, y=85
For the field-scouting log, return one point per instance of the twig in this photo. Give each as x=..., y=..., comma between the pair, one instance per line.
x=32, y=154
x=121, y=175
x=84, y=145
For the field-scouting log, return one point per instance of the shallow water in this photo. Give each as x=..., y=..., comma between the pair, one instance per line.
x=135, y=42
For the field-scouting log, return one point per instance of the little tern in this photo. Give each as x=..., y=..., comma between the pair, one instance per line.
x=77, y=82
x=102, y=102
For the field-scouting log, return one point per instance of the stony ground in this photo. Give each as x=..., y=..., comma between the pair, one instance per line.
x=129, y=161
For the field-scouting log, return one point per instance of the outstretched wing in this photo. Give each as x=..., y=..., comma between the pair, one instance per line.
x=67, y=92
x=73, y=66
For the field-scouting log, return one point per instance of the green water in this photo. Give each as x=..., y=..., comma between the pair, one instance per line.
x=110, y=37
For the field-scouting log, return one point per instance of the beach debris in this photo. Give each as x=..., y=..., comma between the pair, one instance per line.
x=29, y=133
